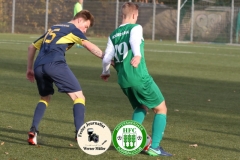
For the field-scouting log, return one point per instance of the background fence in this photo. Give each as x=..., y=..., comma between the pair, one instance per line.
x=158, y=17
x=34, y=17
x=214, y=21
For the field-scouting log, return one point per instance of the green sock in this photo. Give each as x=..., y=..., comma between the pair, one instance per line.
x=158, y=127
x=139, y=115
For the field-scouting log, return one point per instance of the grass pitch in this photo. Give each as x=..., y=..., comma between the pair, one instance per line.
x=200, y=82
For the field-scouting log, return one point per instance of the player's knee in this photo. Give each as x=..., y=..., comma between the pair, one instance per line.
x=80, y=96
x=160, y=109
x=77, y=95
x=46, y=98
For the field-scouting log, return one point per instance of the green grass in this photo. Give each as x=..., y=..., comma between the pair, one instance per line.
x=200, y=82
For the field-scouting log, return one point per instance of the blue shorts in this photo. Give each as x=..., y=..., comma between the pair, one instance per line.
x=58, y=73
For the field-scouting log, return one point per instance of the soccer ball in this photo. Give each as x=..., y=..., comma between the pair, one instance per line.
x=148, y=143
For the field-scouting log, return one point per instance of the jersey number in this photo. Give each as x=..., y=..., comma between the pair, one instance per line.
x=121, y=51
x=52, y=34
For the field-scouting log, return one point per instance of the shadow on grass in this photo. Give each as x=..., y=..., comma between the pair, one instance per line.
x=112, y=148
x=227, y=133
x=27, y=115
x=7, y=137
x=199, y=95
x=204, y=145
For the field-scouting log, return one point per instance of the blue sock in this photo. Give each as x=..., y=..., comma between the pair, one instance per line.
x=139, y=115
x=78, y=113
x=39, y=112
x=158, y=127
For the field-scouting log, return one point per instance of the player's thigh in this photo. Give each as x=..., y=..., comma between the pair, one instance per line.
x=131, y=97
x=148, y=94
x=44, y=82
x=63, y=77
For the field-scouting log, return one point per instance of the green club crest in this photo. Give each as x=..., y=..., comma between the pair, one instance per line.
x=129, y=137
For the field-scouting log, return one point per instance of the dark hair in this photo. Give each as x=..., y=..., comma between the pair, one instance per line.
x=86, y=15
x=128, y=8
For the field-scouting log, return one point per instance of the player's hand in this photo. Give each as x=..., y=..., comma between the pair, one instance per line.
x=105, y=77
x=135, y=61
x=30, y=75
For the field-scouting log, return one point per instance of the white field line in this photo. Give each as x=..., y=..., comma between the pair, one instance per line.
x=11, y=42
x=14, y=41
x=168, y=51
x=224, y=46
x=205, y=46
x=235, y=47
x=146, y=50
x=183, y=52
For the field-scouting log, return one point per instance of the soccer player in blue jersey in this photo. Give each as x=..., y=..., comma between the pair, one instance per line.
x=50, y=67
x=126, y=47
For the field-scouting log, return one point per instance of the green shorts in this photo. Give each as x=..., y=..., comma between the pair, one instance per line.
x=147, y=94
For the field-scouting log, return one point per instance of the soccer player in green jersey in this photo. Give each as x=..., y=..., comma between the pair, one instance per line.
x=77, y=8
x=126, y=47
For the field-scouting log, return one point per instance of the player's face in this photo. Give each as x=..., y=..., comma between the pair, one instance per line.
x=84, y=25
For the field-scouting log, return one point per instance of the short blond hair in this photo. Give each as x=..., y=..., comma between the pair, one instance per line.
x=129, y=8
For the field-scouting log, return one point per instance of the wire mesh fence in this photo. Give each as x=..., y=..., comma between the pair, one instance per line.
x=214, y=21
x=158, y=17
x=35, y=17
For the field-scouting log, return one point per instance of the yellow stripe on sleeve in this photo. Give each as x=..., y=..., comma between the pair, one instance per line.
x=38, y=43
x=79, y=100
x=70, y=38
x=46, y=103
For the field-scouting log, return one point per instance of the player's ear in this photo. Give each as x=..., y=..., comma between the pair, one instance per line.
x=81, y=20
x=133, y=16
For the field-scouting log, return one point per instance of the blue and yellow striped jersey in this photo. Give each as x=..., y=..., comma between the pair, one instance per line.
x=56, y=41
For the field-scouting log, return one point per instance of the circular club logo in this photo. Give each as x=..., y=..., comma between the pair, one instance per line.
x=94, y=137
x=129, y=137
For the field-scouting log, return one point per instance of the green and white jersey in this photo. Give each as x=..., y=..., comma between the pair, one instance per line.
x=123, y=44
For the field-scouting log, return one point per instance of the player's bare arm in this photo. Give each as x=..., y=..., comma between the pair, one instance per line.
x=93, y=49
x=31, y=55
